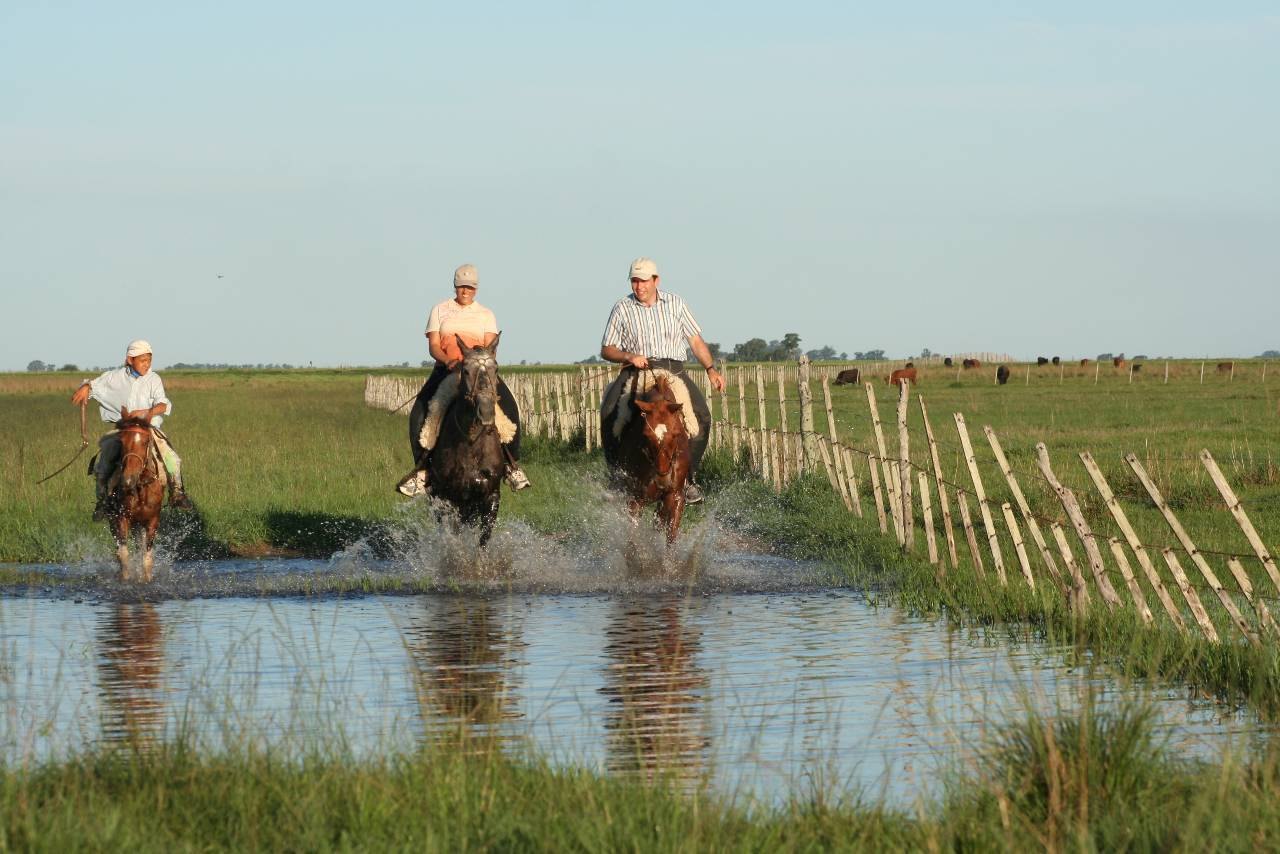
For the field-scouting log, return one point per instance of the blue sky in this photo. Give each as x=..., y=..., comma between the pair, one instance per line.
x=1005, y=177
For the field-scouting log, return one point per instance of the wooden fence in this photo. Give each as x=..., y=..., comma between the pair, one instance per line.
x=1065, y=547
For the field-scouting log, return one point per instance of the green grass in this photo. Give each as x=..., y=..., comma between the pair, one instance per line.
x=1081, y=781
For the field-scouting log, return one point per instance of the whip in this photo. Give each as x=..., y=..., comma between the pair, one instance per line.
x=84, y=443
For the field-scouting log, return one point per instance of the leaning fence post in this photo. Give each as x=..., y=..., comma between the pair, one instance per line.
x=904, y=470
x=1242, y=518
x=873, y=466
x=890, y=487
x=836, y=482
x=966, y=520
x=1018, y=546
x=841, y=485
x=1078, y=595
x=937, y=476
x=847, y=457
x=1260, y=608
x=1139, y=600
x=926, y=513
x=987, y=522
x=809, y=438
x=1139, y=550
x=1091, y=550
x=1198, y=559
x=1202, y=372
x=1023, y=506
x=1188, y=593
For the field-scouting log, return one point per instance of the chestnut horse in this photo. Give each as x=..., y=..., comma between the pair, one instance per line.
x=137, y=493
x=651, y=462
x=467, y=462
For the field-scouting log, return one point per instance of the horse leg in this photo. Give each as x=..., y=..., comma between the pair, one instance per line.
x=121, y=531
x=671, y=512
x=148, y=544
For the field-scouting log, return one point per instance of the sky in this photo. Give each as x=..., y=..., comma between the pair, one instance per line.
x=295, y=182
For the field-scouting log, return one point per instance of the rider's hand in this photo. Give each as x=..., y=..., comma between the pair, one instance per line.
x=81, y=395
x=717, y=381
x=640, y=363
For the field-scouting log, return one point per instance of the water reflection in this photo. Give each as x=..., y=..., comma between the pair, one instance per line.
x=131, y=675
x=656, y=718
x=462, y=659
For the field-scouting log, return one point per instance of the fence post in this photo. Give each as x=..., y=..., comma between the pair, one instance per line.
x=1166, y=371
x=769, y=459
x=1023, y=506
x=1184, y=584
x=836, y=482
x=787, y=472
x=890, y=479
x=835, y=445
x=1202, y=372
x=1018, y=546
x=987, y=522
x=1139, y=551
x=937, y=476
x=1091, y=550
x=1079, y=593
x=775, y=452
x=809, y=438
x=904, y=465
x=1242, y=518
x=1135, y=592
x=926, y=513
x=846, y=457
x=1259, y=607
x=1198, y=559
x=966, y=520
x=873, y=466
x=1097, y=369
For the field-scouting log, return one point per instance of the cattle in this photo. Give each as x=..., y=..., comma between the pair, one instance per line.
x=1226, y=367
x=1136, y=367
x=849, y=376
x=947, y=362
x=1118, y=362
x=971, y=363
x=1002, y=374
x=1084, y=362
x=1041, y=361
x=896, y=378
x=1056, y=360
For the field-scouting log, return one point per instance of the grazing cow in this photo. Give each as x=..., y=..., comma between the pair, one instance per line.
x=1226, y=367
x=896, y=378
x=1084, y=362
x=849, y=376
x=1041, y=361
x=947, y=362
x=1002, y=374
x=1055, y=360
x=971, y=363
x=1118, y=362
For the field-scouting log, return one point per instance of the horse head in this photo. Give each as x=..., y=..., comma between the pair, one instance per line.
x=478, y=379
x=664, y=429
x=135, y=443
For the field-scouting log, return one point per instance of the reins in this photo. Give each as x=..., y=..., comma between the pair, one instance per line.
x=84, y=443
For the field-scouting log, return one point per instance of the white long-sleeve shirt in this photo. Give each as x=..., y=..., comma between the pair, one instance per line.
x=120, y=387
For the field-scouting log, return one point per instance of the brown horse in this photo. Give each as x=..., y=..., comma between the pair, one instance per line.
x=137, y=493
x=651, y=460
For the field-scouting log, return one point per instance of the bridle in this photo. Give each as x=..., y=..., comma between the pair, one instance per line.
x=487, y=385
x=141, y=457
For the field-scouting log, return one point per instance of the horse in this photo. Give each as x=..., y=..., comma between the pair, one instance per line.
x=468, y=461
x=137, y=494
x=651, y=461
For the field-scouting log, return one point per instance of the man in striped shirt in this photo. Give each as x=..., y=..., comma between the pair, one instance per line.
x=653, y=329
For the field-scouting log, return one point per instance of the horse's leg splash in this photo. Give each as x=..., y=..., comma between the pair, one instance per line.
x=121, y=530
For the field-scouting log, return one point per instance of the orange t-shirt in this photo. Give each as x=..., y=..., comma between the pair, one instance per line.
x=471, y=323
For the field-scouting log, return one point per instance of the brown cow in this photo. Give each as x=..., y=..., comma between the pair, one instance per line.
x=1226, y=367
x=849, y=376
x=971, y=363
x=1002, y=374
x=1084, y=362
x=896, y=378
x=1118, y=362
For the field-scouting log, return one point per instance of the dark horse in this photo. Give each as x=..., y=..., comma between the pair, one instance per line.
x=467, y=463
x=651, y=458
x=137, y=493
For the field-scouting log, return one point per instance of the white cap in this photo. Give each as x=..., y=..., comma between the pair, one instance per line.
x=642, y=268
x=139, y=347
x=467, y=276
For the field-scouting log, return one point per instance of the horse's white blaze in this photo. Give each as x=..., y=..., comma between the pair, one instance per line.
x=647, y=378
x=661, y=432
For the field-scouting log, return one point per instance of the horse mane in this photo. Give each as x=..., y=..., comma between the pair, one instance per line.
x=132, y=421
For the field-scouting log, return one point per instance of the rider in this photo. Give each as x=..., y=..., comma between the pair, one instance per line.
x=135, y=387
x=460, y=317
x=652, y=329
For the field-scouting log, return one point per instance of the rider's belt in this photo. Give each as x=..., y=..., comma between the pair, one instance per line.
x=674, y=365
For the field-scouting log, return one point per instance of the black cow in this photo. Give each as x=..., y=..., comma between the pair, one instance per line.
x=1041, y=360
x=849, y=376
x=1055, y=360
x=1002, y=374
x=947, y=362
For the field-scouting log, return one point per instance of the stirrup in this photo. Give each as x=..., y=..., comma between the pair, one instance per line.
x=414, y=483
x=692, y=493
x=517, y=479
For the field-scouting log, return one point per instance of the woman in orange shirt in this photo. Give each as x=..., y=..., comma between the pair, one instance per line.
x=460, y=317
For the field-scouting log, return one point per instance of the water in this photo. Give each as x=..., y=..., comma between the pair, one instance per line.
x=760, y=680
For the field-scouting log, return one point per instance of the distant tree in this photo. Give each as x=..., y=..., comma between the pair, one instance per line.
x=925, y=353
x=844, y=356
x=68, y=367
x=1140, y=356
x=753, y=350
x=1270, y=354
x=593, y=359
x=825, y=353
x=1105, y=357
x=35, y=366
x=716, y=354
x=426, y=363
x=790, y=346
x=870, y=355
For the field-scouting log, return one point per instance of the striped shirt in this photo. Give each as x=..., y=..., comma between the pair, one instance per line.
x=660, y=331
x=121, y=388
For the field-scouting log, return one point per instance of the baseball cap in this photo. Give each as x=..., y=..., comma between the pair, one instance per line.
x=466, y=276
x=140, y=347
x=642, y=268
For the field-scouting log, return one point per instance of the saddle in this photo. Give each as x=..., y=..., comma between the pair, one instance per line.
x=632, y=383
x=445, y=394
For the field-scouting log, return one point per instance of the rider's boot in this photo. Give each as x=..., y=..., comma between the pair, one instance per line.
x=516, y=478
x=178, y=496
x=692, y=493
x=100, y=505
x=417, y=480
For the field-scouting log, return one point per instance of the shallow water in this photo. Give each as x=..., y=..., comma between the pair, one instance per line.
x=755, y=679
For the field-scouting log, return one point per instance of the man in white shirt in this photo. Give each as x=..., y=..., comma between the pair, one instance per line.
x=134, y=387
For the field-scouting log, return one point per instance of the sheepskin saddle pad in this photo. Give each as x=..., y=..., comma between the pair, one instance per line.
x=627, y=381
x=439, y=405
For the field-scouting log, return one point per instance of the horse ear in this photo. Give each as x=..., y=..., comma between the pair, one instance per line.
x=674, y=407
x=644, y=405
x=462, y=345
x=125, y=414
x=493, y=348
